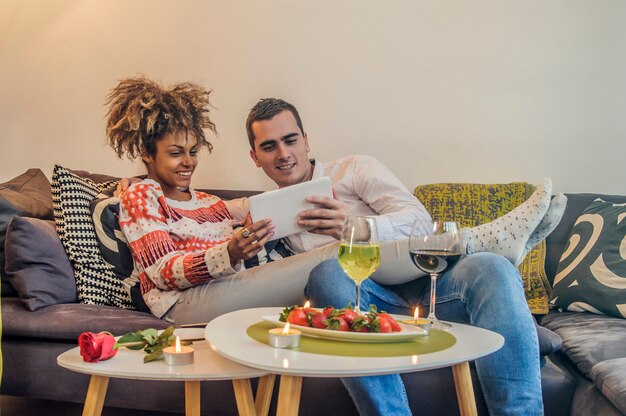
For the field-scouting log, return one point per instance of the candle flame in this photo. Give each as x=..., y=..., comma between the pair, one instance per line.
x=416, y=315
x=307, y=304
x=178, y=349
x=286, y=329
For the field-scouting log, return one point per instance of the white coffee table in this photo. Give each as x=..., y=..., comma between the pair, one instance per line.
x=227, y=334
x=207, y=366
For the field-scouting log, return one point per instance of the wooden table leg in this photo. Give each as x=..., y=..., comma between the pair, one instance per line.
x=464, y=389
x=192, y=398
x=264, y=394
x=243, y=397
x=95, y=395
x=289, y=395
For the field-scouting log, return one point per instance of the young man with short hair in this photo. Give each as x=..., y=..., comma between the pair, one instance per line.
x=483, y=289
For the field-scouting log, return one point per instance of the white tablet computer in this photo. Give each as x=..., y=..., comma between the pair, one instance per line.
x=283, y=205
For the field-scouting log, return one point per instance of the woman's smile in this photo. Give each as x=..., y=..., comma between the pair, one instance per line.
x=173, y=164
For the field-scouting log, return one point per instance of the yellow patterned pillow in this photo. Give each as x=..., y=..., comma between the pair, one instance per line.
x=475, y=204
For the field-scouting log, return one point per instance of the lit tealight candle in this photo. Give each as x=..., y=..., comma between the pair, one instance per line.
x=284, y=337
x=425, y=324
x=178, y=355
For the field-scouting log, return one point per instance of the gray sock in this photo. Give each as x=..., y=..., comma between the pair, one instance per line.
x=548, y=223
x=508, y=234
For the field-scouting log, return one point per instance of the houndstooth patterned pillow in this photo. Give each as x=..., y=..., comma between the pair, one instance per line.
x=95, y=281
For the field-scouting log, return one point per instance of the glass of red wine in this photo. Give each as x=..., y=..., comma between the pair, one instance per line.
x=434, y=247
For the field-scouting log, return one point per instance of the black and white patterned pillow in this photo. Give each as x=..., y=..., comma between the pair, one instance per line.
x=591, y=275
x=111, y=240
x=114, y=248
x=71, y=198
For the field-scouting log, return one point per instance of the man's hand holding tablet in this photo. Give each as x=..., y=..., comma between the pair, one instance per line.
x=327, y=218
x=306, y=206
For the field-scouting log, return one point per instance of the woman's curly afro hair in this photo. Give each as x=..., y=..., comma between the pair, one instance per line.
x=142, y=111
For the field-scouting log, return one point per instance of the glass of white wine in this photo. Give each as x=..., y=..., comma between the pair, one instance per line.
x=359, y=251
x=434, y=247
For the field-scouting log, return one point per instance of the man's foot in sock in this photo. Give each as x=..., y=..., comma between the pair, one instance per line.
x=548, y=223
x=507, y=235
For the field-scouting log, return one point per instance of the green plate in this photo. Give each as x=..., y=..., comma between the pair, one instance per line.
x=436, y=341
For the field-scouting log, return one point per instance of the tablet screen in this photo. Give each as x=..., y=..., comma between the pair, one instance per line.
x=283, y=205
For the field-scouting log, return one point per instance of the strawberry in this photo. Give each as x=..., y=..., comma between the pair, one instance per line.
x=338, y=324
x=395, y=326
x=348, y=314
x=318, y=320
x=380, y=325
x=309, y=311
x=285, y=312
x=298, y=317
x=361, y=324
x=345, y=319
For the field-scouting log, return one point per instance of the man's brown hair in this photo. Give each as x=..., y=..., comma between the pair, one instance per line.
x=266, y=109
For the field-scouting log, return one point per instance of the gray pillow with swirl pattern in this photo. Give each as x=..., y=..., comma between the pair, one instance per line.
x=591, y=275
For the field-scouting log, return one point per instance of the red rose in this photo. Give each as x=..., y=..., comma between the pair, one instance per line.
x=96, y=347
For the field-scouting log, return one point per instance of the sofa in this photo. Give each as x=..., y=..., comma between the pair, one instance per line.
x=32, y=339
x=594, y=345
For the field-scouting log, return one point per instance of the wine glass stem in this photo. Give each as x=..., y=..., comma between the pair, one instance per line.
x=358, y=297
x=433, y=297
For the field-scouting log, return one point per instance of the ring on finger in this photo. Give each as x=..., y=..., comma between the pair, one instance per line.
x=245, y=233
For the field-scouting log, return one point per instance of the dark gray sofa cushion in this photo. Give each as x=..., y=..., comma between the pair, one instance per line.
x=589, y=401
x=588, y=339
x=36, y=264
x=610, y=377
x=557, y=240
x=549, y=341
x=67, y=321
x=27, y=195
x=592, y=273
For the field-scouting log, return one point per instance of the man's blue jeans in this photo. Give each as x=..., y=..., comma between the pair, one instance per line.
x=483, y=290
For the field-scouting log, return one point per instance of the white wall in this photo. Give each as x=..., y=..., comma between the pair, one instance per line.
x=439, y=90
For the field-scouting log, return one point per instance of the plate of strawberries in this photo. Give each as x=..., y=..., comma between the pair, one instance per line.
x=345, y=324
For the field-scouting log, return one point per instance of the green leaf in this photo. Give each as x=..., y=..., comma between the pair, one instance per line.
x=166, y=334
x=334, y=313
x=375, y=325
x=333, y=323
x=150, y=335
x=150, y=340
x=154, y=355
x=360, y=322
x=166, y=338
x=151, y=348
x=130, y=337
x=373, y=312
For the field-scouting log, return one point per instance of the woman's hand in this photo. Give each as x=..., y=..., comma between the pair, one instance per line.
x=123, y=185
x=249, y=240
x=328, y=219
